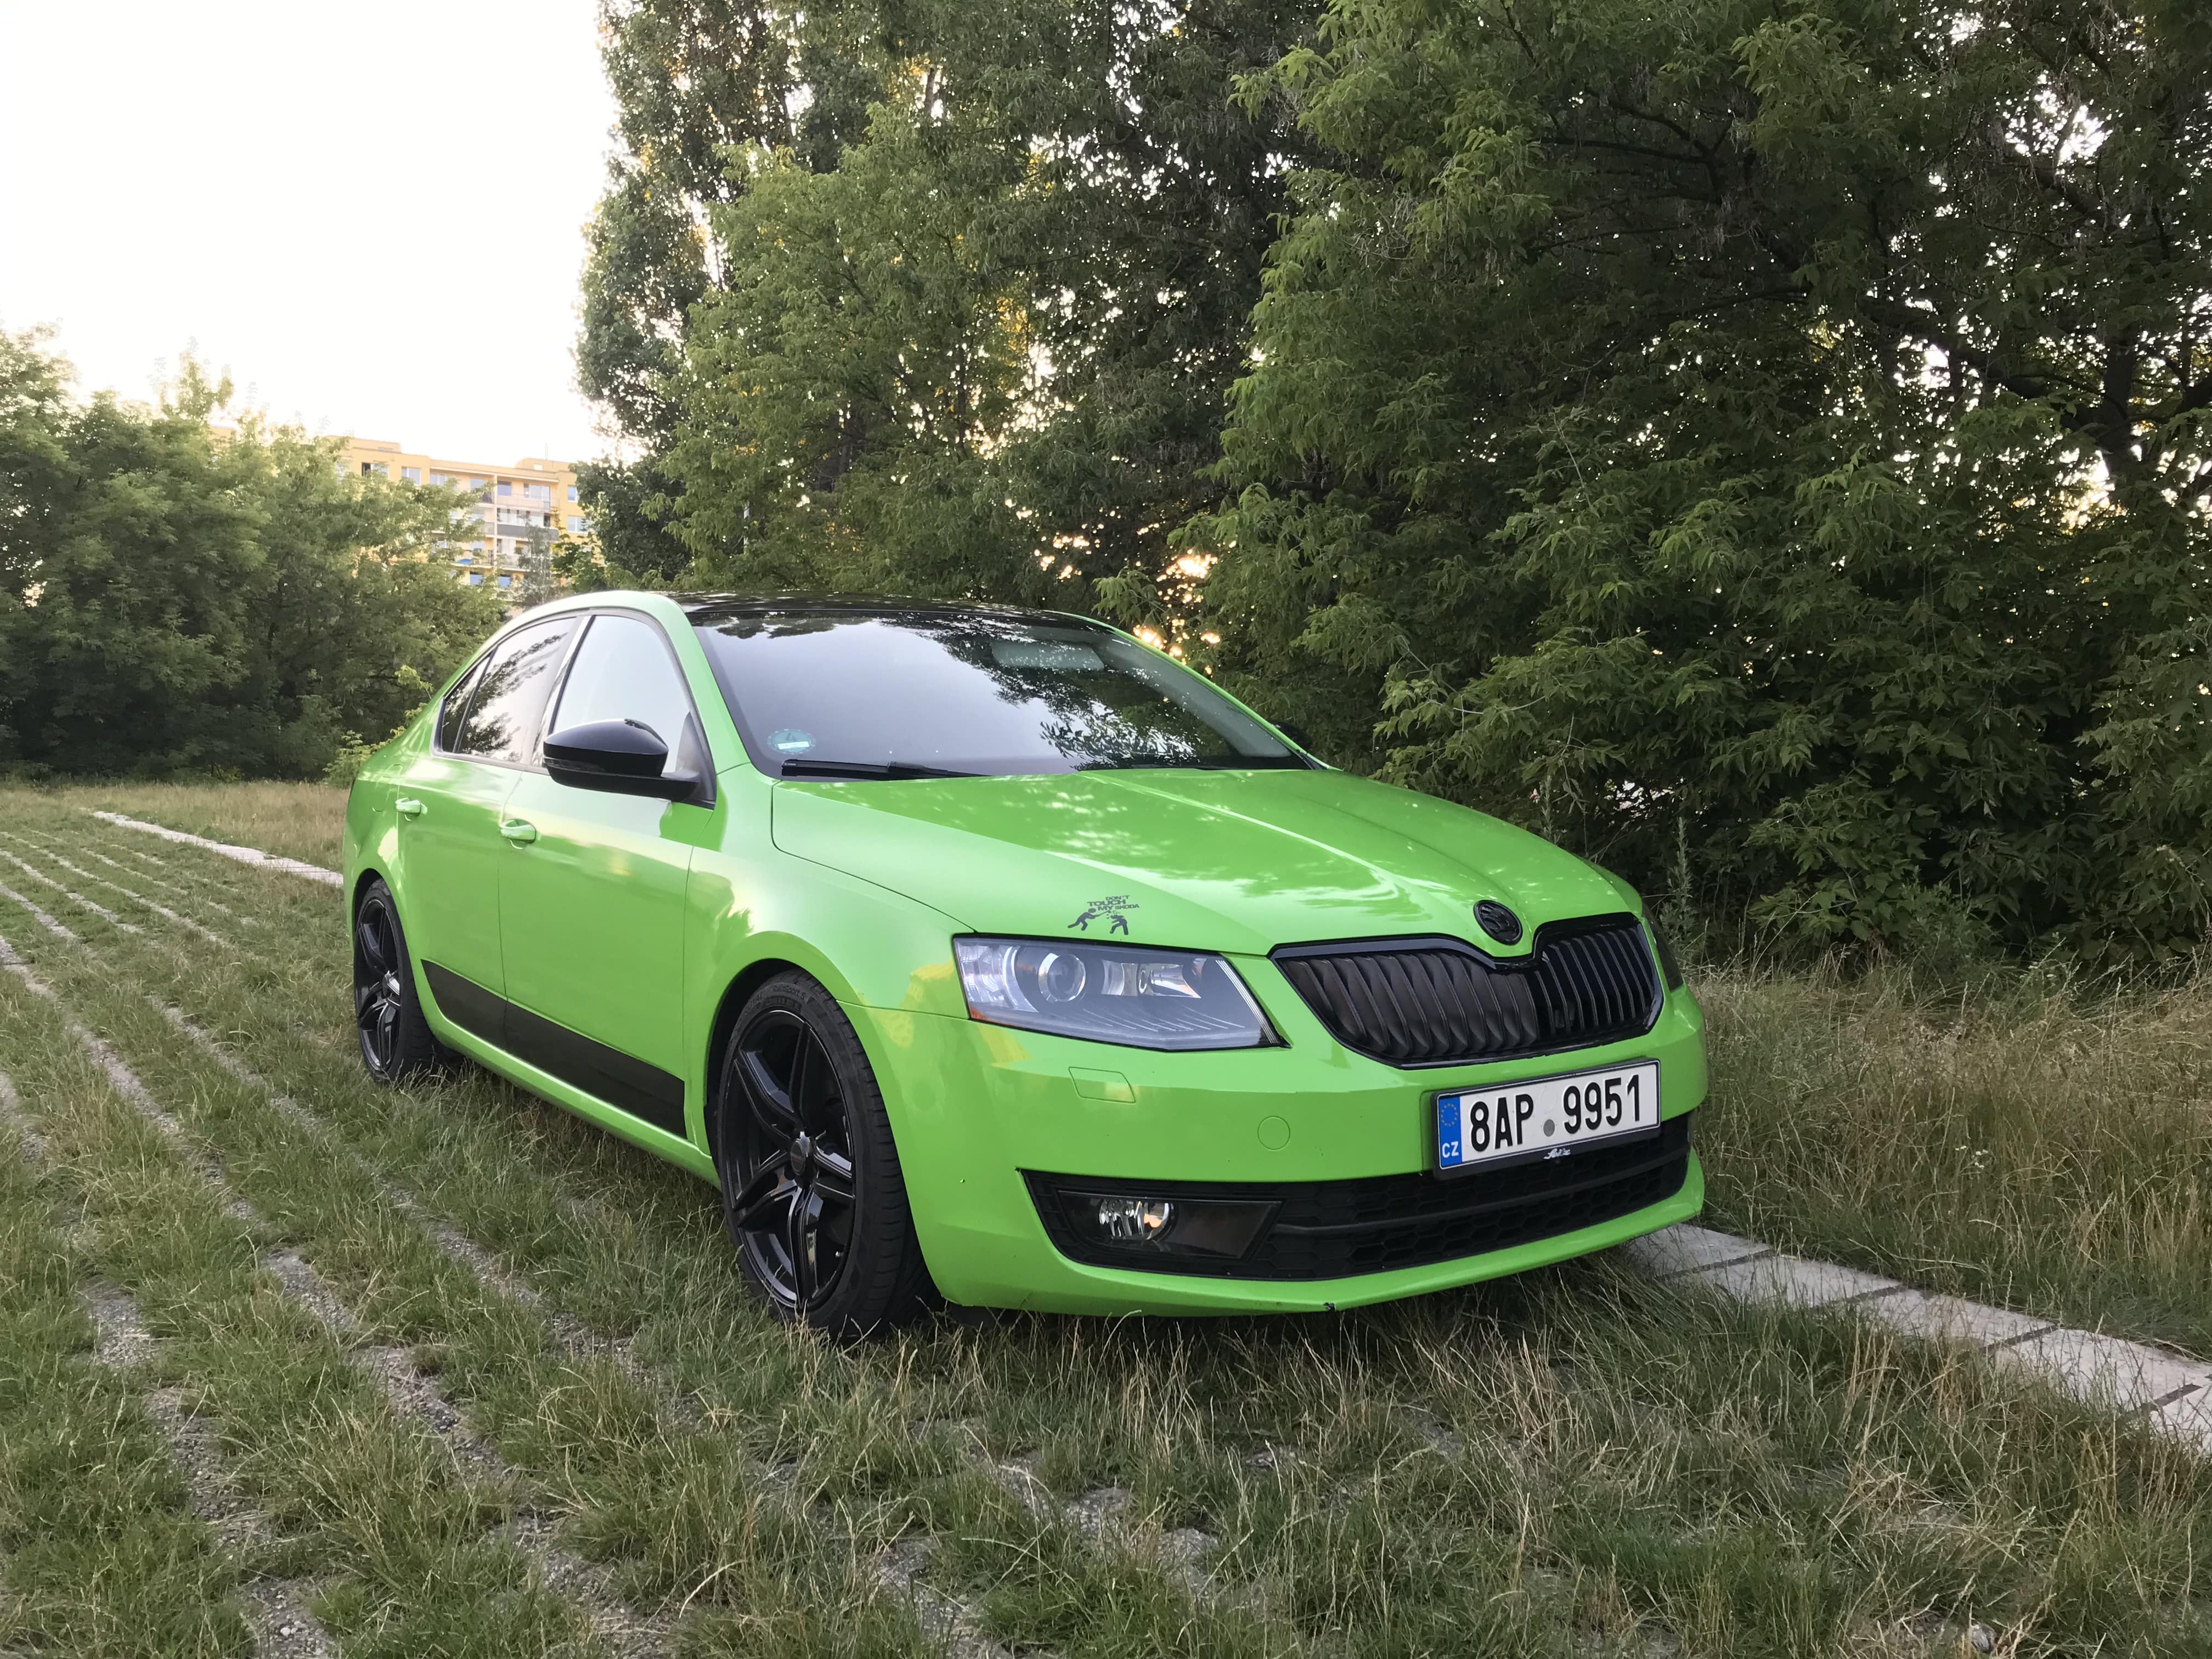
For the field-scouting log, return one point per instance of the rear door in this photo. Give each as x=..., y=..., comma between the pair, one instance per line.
x=451, y=804
x=592, y=908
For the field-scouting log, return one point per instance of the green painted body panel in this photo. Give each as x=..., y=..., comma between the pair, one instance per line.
x=975, y=1105
x=630, y=920
x=591, y=914
x=450, y=860
x=1237, y=861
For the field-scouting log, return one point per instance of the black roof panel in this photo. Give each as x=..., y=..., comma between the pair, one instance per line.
x=706, y=609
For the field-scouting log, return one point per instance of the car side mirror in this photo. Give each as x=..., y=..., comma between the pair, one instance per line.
x=628, y=757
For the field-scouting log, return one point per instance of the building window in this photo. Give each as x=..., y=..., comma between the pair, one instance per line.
x=572, y=492
x=506, y=581
x=467, y=558
x=476, y=579
x=575, y=520
x=538, y=492
x=412, y=474
x=375, y=468
x=505, y=487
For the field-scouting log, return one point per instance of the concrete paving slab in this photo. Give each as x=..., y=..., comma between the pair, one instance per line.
x=1684, y=1248
x=2188, y=1419
x=2171, y=1394
x=2105, y=1370
x=1792, y=1281
x=1953, y=1319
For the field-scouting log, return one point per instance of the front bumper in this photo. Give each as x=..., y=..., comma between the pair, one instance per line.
x=979, y=1110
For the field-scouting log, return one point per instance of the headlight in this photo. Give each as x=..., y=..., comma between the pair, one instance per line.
x=1130, y=994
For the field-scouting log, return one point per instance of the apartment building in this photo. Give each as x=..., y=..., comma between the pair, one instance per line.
x=522, y=509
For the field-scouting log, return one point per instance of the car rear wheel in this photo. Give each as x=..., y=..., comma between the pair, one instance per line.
x=396, y=1040
x=811, y=1187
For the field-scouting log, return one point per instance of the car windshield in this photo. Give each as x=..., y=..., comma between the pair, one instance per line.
x=826, y=693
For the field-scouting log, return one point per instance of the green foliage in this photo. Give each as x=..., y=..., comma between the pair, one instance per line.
x=966, y=323
x=1768, y=440
x=176, y=600
x=1765, y=448
x=690, y=78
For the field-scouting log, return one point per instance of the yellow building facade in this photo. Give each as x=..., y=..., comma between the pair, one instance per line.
x=523, y=504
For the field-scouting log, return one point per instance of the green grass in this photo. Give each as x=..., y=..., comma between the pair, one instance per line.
x=2026, y=1142
x=102, y=1556
x=374, y=1507
x=299, y=820
x=1572, y=1462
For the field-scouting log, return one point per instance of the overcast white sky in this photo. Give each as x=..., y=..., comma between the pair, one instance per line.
x=372, y=217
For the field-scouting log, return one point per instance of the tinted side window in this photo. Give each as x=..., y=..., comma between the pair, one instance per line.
x=455, y=705
x=623, y=671
x=511, y=692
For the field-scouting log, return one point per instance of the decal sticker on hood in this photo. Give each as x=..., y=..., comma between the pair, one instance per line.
x=1111, y=909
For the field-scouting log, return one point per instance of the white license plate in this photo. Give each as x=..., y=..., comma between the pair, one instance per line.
x=1546, y=1116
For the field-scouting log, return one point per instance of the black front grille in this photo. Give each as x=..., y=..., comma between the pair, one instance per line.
x=1338, y=1228
x=1442, y=1002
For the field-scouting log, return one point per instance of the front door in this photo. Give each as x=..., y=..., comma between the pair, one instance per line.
x=592, y=905
x=450, y=803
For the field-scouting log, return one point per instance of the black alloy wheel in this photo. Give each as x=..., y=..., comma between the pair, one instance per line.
x=795, y=1210
x=396, y=1040
x=376, y=987
x=811, y=1189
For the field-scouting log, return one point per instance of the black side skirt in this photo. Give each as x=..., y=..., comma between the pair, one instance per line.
x=623, y=1081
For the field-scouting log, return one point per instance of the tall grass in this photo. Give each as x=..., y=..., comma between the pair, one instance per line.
x=299, y=820
x=2028, y=1137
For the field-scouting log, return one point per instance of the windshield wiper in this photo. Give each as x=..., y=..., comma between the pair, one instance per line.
x=1192, y=764
x=836, y=769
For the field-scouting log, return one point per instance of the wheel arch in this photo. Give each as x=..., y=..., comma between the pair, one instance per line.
x=368, y=872
x=735, y=995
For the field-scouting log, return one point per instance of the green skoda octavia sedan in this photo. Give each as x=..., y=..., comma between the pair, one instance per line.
x=991, y=955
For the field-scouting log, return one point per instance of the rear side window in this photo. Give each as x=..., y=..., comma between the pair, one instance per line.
x=501, y=723
x=455, y=705
x=624, y=670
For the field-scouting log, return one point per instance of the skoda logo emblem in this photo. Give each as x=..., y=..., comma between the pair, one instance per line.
x=1500, y=923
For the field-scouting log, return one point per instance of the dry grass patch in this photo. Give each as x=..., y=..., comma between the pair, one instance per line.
x=298, y=820
x=2027, y=1141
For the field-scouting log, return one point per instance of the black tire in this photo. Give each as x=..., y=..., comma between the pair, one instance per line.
x=396, y=1040
x=812, y=1188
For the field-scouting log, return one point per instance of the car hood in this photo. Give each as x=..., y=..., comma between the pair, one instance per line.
x=1237, y=861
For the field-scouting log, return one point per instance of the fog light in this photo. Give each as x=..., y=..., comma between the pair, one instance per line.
x=1159, y=1228
x=1134, y=1220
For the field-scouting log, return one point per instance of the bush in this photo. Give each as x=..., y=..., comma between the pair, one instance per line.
x=174, y=600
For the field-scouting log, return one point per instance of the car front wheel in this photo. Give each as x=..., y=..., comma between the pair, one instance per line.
x=812, y=1188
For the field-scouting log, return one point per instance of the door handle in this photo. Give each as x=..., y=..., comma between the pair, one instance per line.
x=408, y=807
x=520, y=832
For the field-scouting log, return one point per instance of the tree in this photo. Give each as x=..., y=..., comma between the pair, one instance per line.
x=691, y=79
x=173, y=598
x=1766, y=446
x=966, y=322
